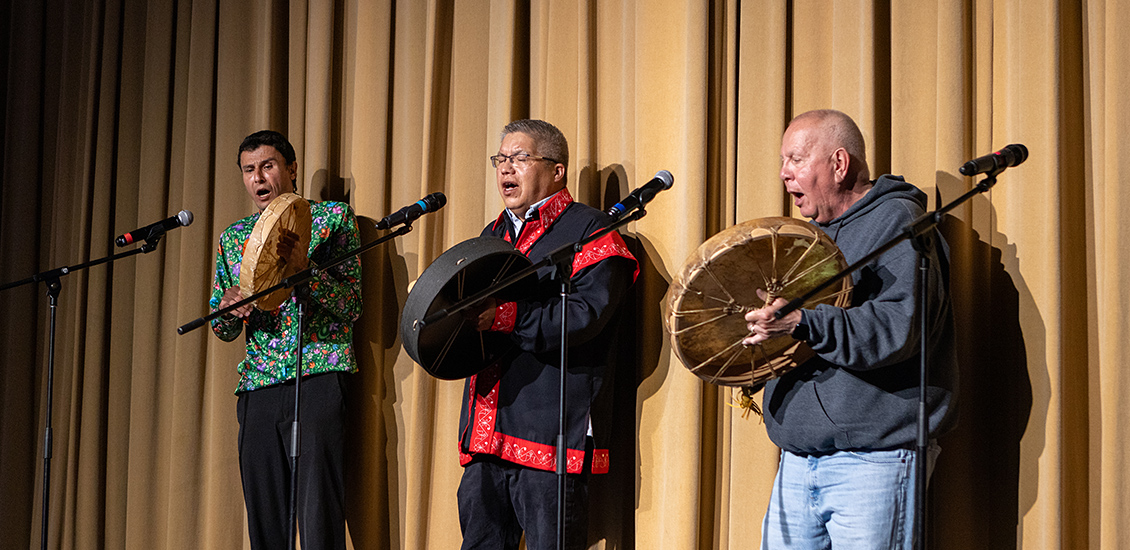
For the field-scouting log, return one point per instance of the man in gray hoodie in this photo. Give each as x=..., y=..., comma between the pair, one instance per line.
x=846, y=420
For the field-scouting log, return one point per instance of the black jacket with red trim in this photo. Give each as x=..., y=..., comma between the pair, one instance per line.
x=511, y=409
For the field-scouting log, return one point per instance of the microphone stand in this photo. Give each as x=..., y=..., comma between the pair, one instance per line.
x=51, y=279
x=915, y=232
x=562, y=261
x=299, y=293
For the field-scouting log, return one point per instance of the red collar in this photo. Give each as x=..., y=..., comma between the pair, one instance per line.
x=536, y=226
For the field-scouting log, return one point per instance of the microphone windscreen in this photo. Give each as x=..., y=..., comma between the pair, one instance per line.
x=1020, y=151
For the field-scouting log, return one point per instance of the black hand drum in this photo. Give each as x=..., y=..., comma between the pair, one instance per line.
x=450, y=348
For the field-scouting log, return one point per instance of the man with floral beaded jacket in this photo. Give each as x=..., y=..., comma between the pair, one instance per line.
x=265, y=404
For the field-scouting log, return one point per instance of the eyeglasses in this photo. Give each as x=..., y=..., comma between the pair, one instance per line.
x=518, y=159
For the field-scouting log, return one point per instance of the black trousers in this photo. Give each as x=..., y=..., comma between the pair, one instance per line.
x=265, y=418
x=500, y=500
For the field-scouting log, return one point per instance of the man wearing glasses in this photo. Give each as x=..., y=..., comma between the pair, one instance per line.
x=508, y=426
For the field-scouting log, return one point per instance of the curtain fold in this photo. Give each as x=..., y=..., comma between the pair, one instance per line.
x=118, y=113
x=1105, y=108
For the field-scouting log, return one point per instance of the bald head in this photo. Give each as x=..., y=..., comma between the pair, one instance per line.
x=823, y=164
x=834, y=129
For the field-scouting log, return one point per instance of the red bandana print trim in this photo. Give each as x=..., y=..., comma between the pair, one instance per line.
x=600, y=461
x=532, y=230
x=485, y=439
x=485, y=413
x=505, y=316
x=485, y=409
x=611, y=244
x=535, y=455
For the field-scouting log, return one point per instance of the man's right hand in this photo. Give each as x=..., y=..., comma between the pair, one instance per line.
x=231, y=296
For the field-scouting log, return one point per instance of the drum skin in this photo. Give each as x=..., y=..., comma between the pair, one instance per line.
x=450, y=348
x=705, y=306
x=262, y=268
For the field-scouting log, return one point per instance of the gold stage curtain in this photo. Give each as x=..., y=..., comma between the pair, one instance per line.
x=118, y=113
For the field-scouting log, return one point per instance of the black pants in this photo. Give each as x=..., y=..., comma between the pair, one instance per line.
x=265, y=418
x=498, y=500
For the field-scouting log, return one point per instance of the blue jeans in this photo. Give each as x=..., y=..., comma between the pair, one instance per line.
x=846, y=500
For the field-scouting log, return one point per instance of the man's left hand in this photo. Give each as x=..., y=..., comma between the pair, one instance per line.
x=481, y=315
x=763, y=325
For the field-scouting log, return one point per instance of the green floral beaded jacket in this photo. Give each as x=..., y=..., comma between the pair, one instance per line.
x=334, y=303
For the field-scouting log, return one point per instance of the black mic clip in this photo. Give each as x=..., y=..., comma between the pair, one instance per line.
x=150, y=243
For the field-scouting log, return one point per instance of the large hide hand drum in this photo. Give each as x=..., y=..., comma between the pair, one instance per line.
x=705, y=306
x=262, y=268
x=450, y=348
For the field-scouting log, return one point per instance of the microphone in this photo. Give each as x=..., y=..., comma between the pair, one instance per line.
x=643, y=194
x=1011, y=155
x=184, y=217
x=409, y=213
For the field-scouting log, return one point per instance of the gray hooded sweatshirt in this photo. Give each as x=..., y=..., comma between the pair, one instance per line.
x=861, y=391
